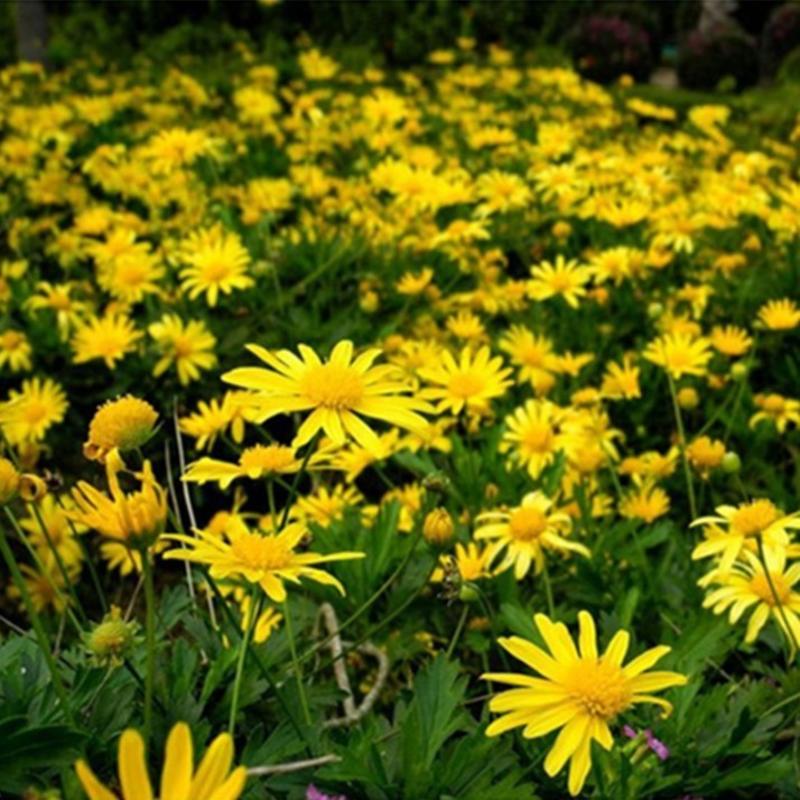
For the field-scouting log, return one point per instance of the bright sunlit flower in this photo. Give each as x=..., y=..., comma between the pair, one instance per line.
x=779, y=315
x=213, y=779
x=338, y=392
x=123, y=424
x=109, y=338
x=266, y=559
x=217, y=264
x=30, y=411
x=468, y=384
x=526, y=532
x=581, y=691
x=735, y=529
x=565, y=278
x=189, y=346
x=679, y=354
x=747, y=588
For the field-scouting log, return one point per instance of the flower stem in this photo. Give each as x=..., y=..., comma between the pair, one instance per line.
x=38, y=628
x=682, y=446
x=548, y=591
x=150, y=635
x=296, y=663
x=255, y=610
x=781, y=611
x=457, y=634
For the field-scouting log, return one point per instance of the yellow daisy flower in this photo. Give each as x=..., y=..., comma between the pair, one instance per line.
x=189, y=346
x=30, y=411
x=679, y=354
x=525, y=532
x=736, y=528
x=581, y=691
x=779, y=315
x=212, y=780
x=468, y=384
x=109, y=338
x=338, y=392
x=217, y=263
x=265, y=559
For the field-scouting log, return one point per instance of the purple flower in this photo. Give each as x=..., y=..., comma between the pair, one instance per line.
x=312, y=793
x=657, y=746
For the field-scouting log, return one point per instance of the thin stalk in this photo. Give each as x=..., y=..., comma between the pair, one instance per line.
x=68, y=582
x=548, y=591
x=296, y=483
x=38, y=627
x=296, y=663
x=682, y=446
x=457, y=634
x=150, y=635
x=781, y=611
x=87, y=556
x=255, y=610
x=369, y=601
x=41, y=567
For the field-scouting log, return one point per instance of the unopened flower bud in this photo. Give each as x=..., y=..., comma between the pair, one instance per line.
x=655, y=310
x=739, y=371
x=111, y=640
x=688, y=398
x=731, y=463
x=438, y=526
x=468, y=593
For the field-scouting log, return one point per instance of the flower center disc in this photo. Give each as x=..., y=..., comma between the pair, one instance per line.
x=599, y=688
x=527, y=524
x=333, y=386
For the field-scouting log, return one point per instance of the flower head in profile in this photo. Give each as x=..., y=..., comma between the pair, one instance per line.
x=737, y=528
x=775, y=408
x=580, y=691
x=123, y=424
x=779, y=315
x=339, y=393
x=256, y=462
x=526, y=532
x=270, y=560
x=646, y=502
x=189, y=346
x=213, y=779
x=679, y=354
x=217, y=263
x=468, y=384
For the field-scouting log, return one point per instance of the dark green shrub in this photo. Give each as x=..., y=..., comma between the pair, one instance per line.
x=781, y=35
x=605, y=47
x=724, y=54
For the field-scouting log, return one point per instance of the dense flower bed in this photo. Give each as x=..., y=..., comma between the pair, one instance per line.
x=338, y=402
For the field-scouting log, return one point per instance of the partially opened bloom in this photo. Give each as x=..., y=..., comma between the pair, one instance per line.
x=135, y=519
x=737, y=528
x=779, y=315
x=580, y=692
x=339, y=392
x=212, y=780
x=525, y=532
x=123, y=423
x=266, y=559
